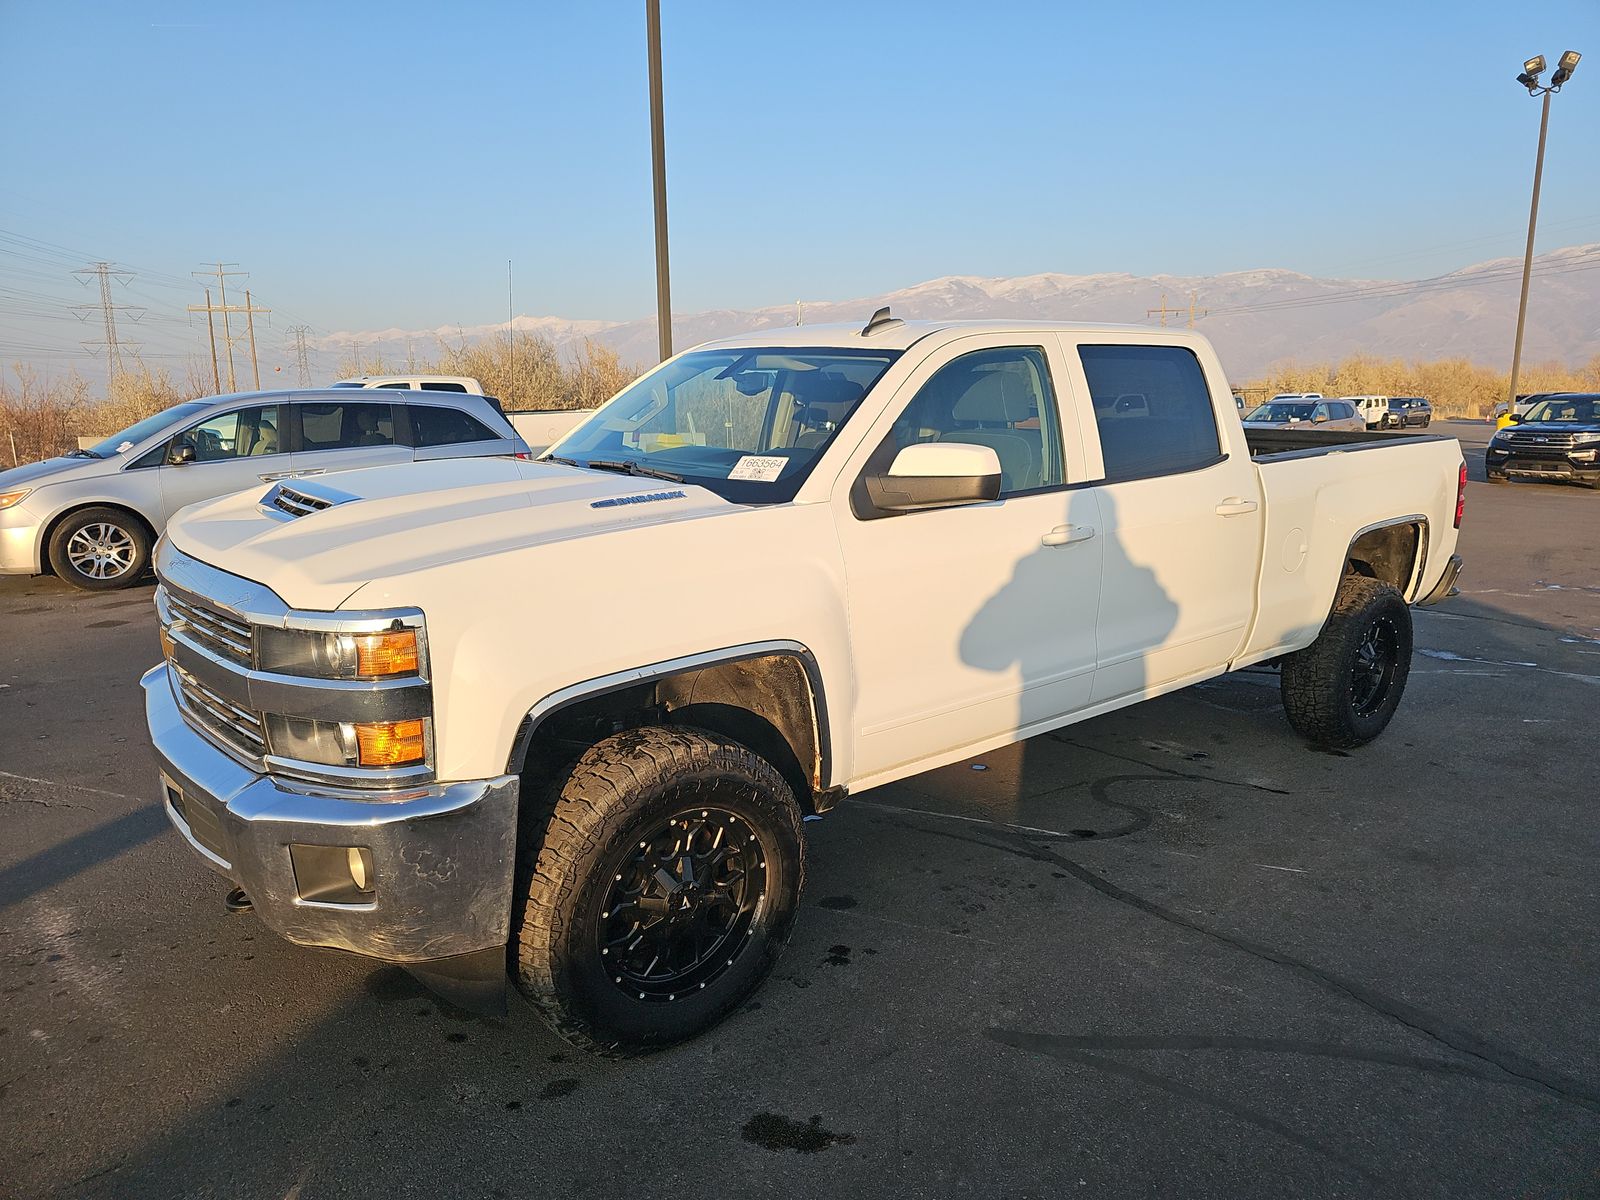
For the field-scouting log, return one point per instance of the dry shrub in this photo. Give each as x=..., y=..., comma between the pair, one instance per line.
x=1455, y=386
x=40, y=419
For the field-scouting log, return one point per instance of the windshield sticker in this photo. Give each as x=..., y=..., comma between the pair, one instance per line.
x=646, y=498
x=762, y=468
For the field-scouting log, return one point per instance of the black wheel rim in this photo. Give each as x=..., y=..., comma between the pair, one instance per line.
x=682, y=905
x=1372, y=674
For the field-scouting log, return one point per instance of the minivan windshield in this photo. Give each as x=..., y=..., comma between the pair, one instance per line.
x=748, y=423
x=1282, y=412
x=120, y=443
x=1584, y=409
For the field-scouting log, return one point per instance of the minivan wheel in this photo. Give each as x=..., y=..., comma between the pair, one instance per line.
x=1343, y=689
x=99, y=549
x=664, y=889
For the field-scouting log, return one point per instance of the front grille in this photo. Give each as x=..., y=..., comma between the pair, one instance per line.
x=1540, y=441
x=296, y=503
x=239, y=728
x=223, y=633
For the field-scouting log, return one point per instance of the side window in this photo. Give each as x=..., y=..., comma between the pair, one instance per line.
x=345, y=425
x=244, y=433
x=999, y=398
x=393, y=387
x=1320, y=413
x=433, y=426
x=1152, y=409
x=445, y=387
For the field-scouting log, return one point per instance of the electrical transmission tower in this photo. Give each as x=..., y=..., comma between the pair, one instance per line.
x=105, y=273
x=301, y=358
x=1164, y=312
x=249, y=310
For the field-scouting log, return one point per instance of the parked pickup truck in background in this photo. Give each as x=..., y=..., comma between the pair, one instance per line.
x=91, y=516
x=568, y=715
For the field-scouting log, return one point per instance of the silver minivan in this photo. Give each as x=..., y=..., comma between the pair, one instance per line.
x=92, y=516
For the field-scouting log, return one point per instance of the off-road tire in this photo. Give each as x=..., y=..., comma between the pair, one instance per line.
x=125, y=532
x=1321, y=688
x=617, y=792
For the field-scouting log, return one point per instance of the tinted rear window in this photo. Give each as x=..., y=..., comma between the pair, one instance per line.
x=343, y=425
x=1152, y=409
x=431, y=426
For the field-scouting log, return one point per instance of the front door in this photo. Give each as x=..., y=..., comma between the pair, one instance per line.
x=232, y=451
x=975, y=623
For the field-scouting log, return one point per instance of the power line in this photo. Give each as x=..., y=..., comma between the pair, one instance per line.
x=105, y=272
x=228, y=336
x=301, y=357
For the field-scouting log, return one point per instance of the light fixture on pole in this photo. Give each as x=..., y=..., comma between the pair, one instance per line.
x=1531, y=70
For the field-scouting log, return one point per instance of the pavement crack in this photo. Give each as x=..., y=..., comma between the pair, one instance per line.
x=1063, y=740
x=1462, y=1041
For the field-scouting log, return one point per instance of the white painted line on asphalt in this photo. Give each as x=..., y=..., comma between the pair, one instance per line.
x=1270, y=867
x=77, y=787
x=923, y=812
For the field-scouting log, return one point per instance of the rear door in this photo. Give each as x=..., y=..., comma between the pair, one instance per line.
x=1180, y=514
x=342, y=434
x=444, y=430
x=233, y=450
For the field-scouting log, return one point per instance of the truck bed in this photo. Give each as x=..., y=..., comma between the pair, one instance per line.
x=1273, y=444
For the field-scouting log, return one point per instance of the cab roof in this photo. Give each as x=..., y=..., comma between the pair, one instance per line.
x=901, y=334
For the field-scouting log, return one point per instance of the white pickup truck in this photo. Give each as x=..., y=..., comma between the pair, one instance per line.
x=562, y=719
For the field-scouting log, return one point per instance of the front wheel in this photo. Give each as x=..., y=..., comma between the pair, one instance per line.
x=665, y=888
x=1343, y=689
x=99, y=549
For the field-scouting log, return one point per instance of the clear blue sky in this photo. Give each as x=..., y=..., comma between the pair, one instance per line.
x=376, y=164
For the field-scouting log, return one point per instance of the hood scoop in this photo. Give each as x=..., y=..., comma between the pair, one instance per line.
x=285, y=501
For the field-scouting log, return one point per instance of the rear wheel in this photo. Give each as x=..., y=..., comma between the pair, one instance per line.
x=665, y=888
x=99, y=549
x=1343, y=689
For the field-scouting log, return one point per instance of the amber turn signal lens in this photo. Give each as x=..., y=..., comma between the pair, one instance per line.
x=393, y=652
x=390, y=744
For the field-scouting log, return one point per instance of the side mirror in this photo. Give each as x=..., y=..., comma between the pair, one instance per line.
x=1515, y=418
x=937, y=475
x=1320, y=418
x=181, y=453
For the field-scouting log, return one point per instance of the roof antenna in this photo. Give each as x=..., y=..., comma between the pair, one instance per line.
x=881, y=320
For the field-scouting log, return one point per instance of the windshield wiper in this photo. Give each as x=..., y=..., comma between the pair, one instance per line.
x=81, y=454
x=631, y=467
x=565, y=462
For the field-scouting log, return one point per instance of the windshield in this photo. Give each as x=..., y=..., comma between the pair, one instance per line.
x=1566, y=408
x=1278, y=411
x=130, y=437
x=747, y=423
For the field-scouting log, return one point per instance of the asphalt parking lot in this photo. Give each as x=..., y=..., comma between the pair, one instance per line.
x=1170, y=951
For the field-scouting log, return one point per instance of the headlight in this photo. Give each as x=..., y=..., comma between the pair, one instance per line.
x=349, y=744
x=7, y=499
x=323, y=655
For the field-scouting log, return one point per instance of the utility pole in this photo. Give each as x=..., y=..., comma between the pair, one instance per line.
x=301, y=359
x=1194, y=298
x=1164, y=311
x=250, y=310
x=511, y=323
x=211, y=324
x=799, y=312
x=105, y=273
x=658, y=175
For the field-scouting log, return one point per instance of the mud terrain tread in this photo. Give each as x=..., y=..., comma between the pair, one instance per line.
x=1315, y=680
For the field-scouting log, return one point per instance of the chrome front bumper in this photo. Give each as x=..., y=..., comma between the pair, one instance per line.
x=441, y=856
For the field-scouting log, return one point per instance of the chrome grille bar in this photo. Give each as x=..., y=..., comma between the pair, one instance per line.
x=228, y=635
x=239, y=728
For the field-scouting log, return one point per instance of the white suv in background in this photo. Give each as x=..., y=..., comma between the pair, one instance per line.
x=461, y=384
x=1373, y=408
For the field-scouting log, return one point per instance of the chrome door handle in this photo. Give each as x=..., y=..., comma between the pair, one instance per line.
x=312, y=471
x=1065, y=535
x=1235, y=506
x=277, y=475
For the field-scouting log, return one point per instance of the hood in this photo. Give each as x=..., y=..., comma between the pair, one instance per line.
x=387, y=521
x=40, y=473
x=1537, y=427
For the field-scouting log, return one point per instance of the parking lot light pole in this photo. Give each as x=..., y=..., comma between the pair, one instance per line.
x=658, y=171
x=1531, y=70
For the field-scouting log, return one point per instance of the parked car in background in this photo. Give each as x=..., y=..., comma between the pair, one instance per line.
x=92, y=516
x=461, y=384
x=1288, y=396
x=1557, y=440
x=1371, y=408
x=541, y=428
x=1324, y=414
x=1406, y=410
x=1499, y=418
